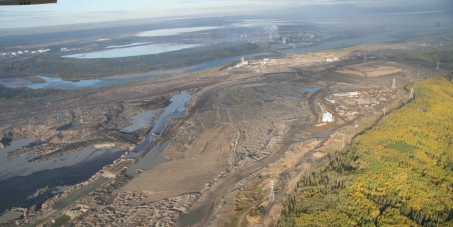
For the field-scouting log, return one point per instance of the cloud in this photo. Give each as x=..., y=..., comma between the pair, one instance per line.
x=82, y=11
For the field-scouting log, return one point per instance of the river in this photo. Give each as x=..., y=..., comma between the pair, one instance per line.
x=93, y=83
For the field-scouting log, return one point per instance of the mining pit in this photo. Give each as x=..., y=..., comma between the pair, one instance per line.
x=244, y=126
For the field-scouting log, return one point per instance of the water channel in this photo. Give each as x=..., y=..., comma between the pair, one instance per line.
x=177, y=107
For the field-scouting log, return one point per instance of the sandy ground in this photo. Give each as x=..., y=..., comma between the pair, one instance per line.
x=208, y=157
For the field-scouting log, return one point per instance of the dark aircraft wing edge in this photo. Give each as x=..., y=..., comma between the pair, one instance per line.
x=25, y=2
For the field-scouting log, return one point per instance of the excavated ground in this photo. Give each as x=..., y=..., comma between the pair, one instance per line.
x=242, y=125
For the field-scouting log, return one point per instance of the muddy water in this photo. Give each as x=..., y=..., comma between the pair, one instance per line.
x=141, y=120
x=85, y=190
x=10, y=215
x=150, y=159
x=176, y=108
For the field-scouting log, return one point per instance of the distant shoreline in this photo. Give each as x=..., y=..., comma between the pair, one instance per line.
x=151, y=73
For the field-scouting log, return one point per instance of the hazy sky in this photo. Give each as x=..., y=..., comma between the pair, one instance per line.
x=81, y=11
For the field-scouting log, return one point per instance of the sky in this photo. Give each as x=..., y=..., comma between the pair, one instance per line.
x=83, y=11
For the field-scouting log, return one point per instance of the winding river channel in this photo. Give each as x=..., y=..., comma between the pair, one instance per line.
x=95, y=83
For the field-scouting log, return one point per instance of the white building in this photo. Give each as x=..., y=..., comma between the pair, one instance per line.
x=330, y=99
x=327, y=117
x=341, y=94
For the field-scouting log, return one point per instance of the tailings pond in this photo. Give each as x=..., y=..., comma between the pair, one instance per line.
x=20, y=178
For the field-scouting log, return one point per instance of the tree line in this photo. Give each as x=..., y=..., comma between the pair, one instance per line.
x=399, y=172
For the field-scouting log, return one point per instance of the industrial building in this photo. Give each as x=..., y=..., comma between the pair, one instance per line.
x=327, y=117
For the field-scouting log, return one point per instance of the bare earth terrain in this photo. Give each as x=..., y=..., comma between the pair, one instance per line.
x=243, y=128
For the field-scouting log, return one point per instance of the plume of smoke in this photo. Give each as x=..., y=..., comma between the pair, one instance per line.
x=273, y=31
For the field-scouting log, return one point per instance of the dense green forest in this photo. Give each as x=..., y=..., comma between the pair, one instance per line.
x=441, y=54
x=397, y=173
x=75, y=69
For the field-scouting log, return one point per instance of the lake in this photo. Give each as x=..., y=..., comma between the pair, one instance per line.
x=133, y=51
x=173, y=31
